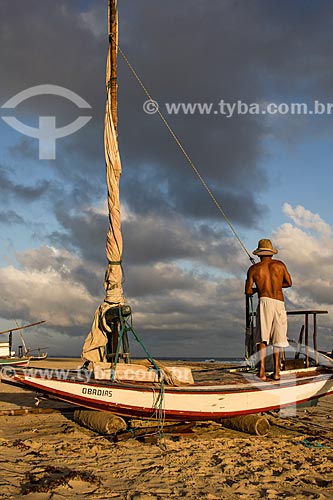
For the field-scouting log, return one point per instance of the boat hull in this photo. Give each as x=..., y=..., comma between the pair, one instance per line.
x=12, y=361
x=38, y=358
x=246, y=395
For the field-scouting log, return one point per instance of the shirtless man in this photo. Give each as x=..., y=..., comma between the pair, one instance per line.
x=269, y=277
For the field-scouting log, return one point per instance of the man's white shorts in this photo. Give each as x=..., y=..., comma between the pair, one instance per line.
x=271, y=322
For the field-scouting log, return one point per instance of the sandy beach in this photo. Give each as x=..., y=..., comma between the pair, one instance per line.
x=49, y=456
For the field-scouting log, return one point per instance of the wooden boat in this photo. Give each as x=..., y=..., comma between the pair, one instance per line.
x=13, y=361
x=166, y=393
x=39, y=357
x=7, y=356
x=25, y=351
x=224, y=393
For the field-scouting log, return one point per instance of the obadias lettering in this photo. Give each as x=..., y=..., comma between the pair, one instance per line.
x=96, y=392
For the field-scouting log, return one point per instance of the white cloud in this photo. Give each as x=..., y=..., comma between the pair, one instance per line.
x=308, y=243
x=305, y=219
x=44, y=289
x=94, y=20
x=306, y=246
x=171, y=305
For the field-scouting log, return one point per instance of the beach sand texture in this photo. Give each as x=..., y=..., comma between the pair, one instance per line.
x=48, y=456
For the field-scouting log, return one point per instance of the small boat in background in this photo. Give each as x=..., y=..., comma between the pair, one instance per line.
x=38, y=357
x=14, y=361
x=25, y=351
x=8, y=356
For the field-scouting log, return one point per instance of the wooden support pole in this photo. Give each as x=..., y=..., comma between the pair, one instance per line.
x=10, y=343
x=22, y=327
x=299, y=343
x=315, y=337
x=306, y=340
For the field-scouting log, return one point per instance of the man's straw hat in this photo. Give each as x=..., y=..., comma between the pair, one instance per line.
x=265, y=248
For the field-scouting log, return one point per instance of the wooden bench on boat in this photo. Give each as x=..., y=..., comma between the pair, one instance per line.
x=305, y=332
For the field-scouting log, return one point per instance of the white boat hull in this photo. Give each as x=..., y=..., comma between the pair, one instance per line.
x=246, y=395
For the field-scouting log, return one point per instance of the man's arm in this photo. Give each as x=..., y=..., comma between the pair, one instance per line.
x=287, y=282
x=249, y=290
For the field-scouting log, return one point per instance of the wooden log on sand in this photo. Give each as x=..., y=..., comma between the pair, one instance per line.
x=27, y=411
x=100, y=421
x=252, y=424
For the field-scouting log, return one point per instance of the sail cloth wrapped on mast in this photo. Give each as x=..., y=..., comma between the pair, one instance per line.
x=94, y=346
x=114, y=244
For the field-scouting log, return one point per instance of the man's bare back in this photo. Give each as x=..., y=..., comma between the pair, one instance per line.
x=269, y=277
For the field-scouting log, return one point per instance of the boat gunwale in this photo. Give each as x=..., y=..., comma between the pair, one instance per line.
x=246, y=386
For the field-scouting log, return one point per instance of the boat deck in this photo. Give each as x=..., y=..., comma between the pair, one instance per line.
x=210, y=378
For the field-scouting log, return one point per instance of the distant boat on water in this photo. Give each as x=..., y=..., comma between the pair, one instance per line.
x=9, y=357
x=35, y=357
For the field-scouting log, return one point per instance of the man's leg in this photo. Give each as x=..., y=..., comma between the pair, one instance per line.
x=262, y=356
x=276, y=357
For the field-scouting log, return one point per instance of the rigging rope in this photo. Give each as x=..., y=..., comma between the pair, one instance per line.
x=181, y=147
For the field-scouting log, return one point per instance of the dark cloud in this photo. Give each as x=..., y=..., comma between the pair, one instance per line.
x=223, y=50
x=58, y=46
x=193, y=317
x=149, y=240
x=84, y=232
x=9, y=217
x=150, y=191
x=22, y=192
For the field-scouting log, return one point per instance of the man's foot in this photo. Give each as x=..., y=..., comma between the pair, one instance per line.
x=262, y=377
x=274, y=376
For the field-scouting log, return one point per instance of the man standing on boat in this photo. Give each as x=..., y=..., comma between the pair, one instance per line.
x=269, y=277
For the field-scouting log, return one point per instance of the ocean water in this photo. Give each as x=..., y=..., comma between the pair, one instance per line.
x=205, y=360
x=231, y=360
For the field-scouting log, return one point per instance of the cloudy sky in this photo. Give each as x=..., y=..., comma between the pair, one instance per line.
x=184, y=269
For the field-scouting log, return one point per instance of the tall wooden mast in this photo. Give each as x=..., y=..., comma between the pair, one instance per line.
x=113, y=40
x=106, y=324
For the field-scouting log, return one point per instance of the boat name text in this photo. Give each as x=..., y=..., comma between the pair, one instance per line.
x=97, y=392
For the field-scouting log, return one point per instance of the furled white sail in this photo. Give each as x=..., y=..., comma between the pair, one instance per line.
x=114, y=244
x=94, y=346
